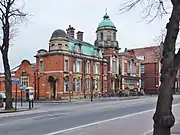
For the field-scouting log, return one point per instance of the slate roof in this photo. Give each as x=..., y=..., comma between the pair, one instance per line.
x=151, y=54
x=86, y=48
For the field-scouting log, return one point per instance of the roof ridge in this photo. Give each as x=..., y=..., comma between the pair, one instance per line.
x=89, y=44
x=144, y=47
x=15, y=67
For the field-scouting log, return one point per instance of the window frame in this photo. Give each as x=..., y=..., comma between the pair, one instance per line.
x=142, y=67
x=24, y=81
x=66, y=69
x=41, y=66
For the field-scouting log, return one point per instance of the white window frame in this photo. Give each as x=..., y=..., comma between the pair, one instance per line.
x=65, y=82
x=114, y=66
x=76, y=82
x=23, y=77
x=95, y=69
x=87, y=67
x=41, y=66
x=75, y=69
x=87, y=83
x=66, y=68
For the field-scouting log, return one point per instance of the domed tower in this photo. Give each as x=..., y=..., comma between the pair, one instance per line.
x=58, y=40
x=107, y=41
x=106, y=34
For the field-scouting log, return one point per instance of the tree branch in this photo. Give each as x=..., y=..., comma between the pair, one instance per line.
x=150, y=7
x=127, y=6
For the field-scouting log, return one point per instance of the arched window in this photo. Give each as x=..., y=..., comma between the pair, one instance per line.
x=101, y=36
x=109, y=36
x=114, y=36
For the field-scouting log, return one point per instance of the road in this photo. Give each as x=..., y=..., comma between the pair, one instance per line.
x=129, y=117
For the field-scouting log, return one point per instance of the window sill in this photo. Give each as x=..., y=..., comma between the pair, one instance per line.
x=66, y=72
x=78, y=72
x=96, y=74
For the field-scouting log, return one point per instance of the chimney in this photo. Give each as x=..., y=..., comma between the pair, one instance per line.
x=80, y=36
x=70, y=31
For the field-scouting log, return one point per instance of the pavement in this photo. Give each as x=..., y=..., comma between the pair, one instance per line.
x=127, y=117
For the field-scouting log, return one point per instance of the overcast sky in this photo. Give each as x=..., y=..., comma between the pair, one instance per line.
x=83, y=15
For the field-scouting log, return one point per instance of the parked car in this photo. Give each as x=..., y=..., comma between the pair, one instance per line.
x=3, y=95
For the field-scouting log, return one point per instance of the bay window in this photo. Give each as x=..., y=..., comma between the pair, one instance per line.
x=87, y=84
x=96, y=68
x=25, y=80
x=87, y=67
x=77, y=84
x=114, y=66
x=77, y=66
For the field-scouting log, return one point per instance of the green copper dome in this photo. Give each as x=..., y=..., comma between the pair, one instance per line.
x=106, y=22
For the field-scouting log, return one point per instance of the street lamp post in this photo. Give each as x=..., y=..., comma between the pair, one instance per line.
x=92, y=88
x=84, y=92
x=35, y=85
x=102, y=80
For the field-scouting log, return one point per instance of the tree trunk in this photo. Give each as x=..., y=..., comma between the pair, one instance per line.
x=8, y=83
x=163, y=117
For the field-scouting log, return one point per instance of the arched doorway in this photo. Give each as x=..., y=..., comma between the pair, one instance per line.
x=52, y=91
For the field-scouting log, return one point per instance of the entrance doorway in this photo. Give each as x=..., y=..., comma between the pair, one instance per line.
x=52, y=91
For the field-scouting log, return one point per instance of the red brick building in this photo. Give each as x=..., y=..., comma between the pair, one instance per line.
x=73, y=67
x=130, y=70
x=107, y=42
x=150, y=68
x=26, y=74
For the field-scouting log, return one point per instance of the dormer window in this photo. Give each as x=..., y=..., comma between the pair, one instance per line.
x=96, y=52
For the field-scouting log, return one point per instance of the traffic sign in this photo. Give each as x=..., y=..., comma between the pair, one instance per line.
x=70, y=86
x=22, y=86
x=15, y=80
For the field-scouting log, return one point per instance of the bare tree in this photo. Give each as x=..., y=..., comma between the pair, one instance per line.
x=10, y=15
x=163, y=117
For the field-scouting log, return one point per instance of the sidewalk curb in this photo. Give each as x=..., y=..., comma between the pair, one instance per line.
x=18, y=110
x=88, y=100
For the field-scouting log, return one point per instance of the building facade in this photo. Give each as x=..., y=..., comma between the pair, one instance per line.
x=26, y=74
x=107, y=42
x=73, y=67
x=150, y=67
x=130, y=70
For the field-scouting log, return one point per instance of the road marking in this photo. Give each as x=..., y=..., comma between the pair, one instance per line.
x=50, y=116
x=103, y=121
x=99, y=122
